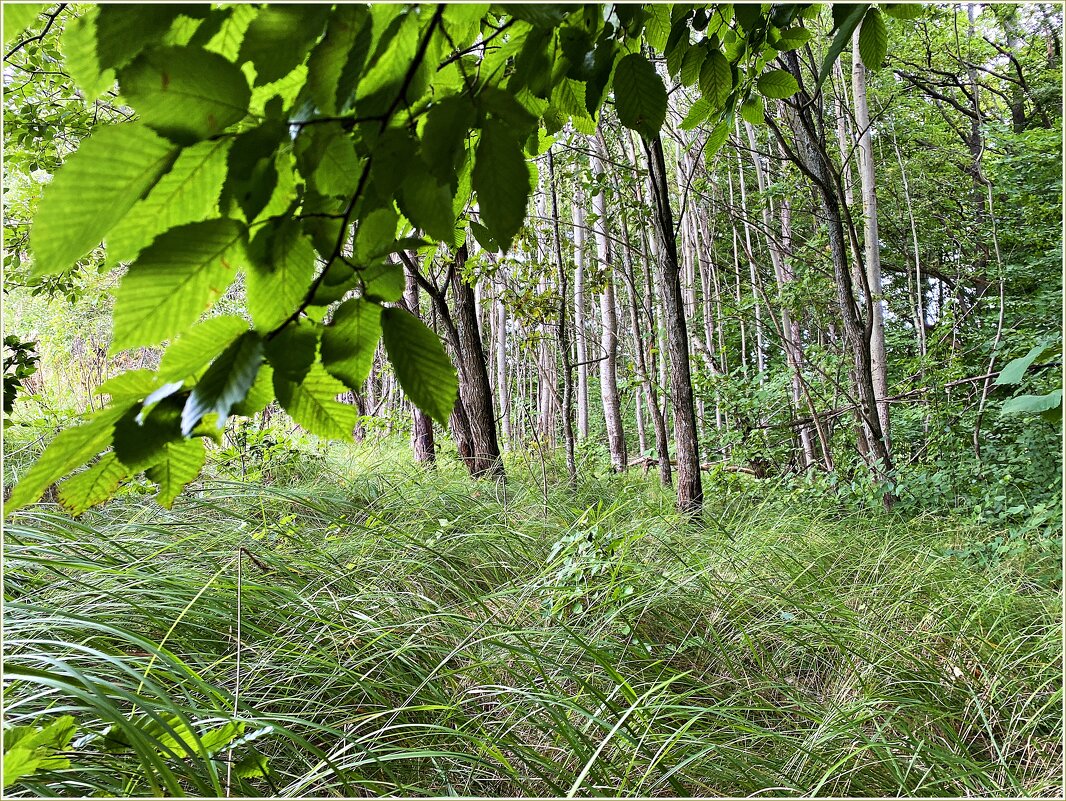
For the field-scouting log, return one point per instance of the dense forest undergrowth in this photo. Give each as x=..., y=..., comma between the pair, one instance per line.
x=357, y=626
x=469, y=399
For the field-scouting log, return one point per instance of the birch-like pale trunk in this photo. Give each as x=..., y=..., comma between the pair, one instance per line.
x=872, y=242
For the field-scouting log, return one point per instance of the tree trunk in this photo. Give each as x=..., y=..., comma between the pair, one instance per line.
x=689, y=481
x=564, y=336
x=878, y=359
x=422, y=423
x=474, y=385
x=612, y=408
x=579, y=316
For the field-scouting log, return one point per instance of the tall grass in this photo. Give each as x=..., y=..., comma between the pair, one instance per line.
x=388, y=632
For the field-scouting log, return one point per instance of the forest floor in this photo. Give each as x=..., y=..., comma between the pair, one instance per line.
x=374, y=629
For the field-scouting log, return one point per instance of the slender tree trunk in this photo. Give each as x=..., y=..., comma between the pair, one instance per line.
x=689, y=481
x=422, y=423
x=579, y=316
x=878, y=358
x=564, y=335
x=612, y=408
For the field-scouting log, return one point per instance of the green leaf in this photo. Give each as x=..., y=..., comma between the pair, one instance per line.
x=93, y=486
x=175, y=280
x=350, y=340
x=28, y=749
x=293, y=349
x=93, y=190
x=335, y=63
x=123, y=31
x=753, y=110
x=72, y=448
x=281, y=271
x=188, y=193
x=1015, y=370
x=501, y=180
x=422, y=367
x=715, y=139
x=1033, y=404
x=19, y=762
x=904, y=10
x=181, y=463
x=657, y=28
x=639, y=95
x=444, y=136
x=777, y=84
x=846, y=19
x=80, y=59
x=132, y=385
x=792, y=39
x=326, y=157
x=716, y=79
x=259, y=395
x=280, y=37
x=17, y=18
x=697, y=114
x=873, y=40
x=383, y=281
x=196, y=347
x=313, y=404
x=139, y=438
x=692, y=64
x=225, y=383
x=251, y=173
x=375, y=235
x=185, y=93
x=252, y=766
x=227, y=40
x=427, y=204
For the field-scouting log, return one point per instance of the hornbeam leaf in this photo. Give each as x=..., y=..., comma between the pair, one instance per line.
x=422, y=367
x=93, y=191
x=336, y=61
x=350, y=340
x=175, y=280
x=501, y=180
x=80, y=59
x=185, y=93
x=777, y=84
x=199, y=345
x=123, y=31
x=227, y=41
x=697, y=114
x=182, y=461
x=427, y=203
x=93, y=486
x=259, y=394
x=70, y=449
x=753, y=110
x=188, y=193
x=139, y=438
x=281, y=270
x=313, y=403
x=873, y=40
x=904, y=10
x=292, y=351
x=716, y=79
x=279, y=38
x=639, y=95
x=225, y=383
x=18, y=17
